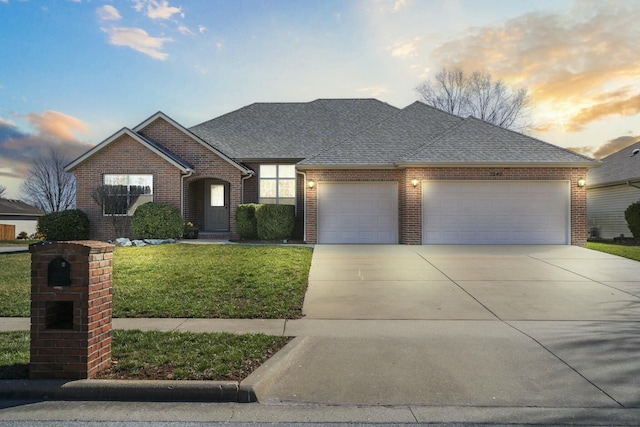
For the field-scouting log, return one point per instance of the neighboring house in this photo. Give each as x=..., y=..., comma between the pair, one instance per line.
x=611, y=188
x=357, y=170
x=23, y=216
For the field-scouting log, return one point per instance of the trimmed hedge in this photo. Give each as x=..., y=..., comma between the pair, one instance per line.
x=71, y=224
x=632, y=215
x=155, y=220
x=275, y=222
x=246, y=222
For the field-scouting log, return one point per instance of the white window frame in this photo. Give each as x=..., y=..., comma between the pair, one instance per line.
x=128, y=178
x=277, y=179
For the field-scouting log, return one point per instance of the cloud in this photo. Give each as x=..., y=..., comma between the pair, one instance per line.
x=157, y=9
x=139, y=40
x=375, y=91
x=608, y=148
x=575, y=63
x=108, y=13
x=51, y=129
x=202, y=29
x=406, y=49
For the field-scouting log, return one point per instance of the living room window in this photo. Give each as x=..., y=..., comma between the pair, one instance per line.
x=278, y=184
x=122, y=194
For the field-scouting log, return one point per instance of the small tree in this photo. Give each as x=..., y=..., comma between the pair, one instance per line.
x=115, y=201
x=478, y=95
x=48, y=186
x=632, y=215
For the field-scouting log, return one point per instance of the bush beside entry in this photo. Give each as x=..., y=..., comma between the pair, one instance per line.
x=632, y=215
x=275, y=222
x=155, y=220
x=71, y=224
x=246, y=221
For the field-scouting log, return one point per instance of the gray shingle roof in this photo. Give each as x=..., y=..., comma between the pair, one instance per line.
x=367, y=132
x=617, y=167
x=18, y=208
x=386, y=142
x=473, y=140
x=290, y=130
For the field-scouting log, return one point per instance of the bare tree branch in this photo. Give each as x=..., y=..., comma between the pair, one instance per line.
x=3, y=190
x=48, y=186
x=477, y=95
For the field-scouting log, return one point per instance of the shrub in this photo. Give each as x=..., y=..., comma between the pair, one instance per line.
x=246, y=221
x=275, y=222
x=632, y=215
x=65, y=225
x=23, y=235
x=155, y=220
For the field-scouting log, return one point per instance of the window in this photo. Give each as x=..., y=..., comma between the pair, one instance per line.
x=124, y=193
x=278, y=184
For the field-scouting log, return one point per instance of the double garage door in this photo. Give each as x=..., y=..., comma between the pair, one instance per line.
x=453, y=212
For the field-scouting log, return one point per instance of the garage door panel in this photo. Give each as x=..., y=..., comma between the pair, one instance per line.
x=515, y=212
x=358, y=212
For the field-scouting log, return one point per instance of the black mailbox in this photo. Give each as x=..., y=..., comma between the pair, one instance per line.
x=59, y=273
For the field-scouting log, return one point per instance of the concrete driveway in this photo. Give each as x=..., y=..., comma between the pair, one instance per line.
x=483, y=326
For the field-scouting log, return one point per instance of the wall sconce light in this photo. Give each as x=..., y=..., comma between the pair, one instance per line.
x=311, y=184
x=582, y=182
x=415, y=182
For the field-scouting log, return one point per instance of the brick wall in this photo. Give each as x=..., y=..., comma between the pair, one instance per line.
x=71, y=325
x=410, y=198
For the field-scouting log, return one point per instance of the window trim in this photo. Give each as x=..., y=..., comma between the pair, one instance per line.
x=277, y=180
x=128, y=185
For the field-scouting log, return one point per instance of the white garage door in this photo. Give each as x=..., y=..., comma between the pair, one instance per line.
x=358, y=212
x=495, y=212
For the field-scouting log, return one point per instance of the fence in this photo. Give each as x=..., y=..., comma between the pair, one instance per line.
x=7, y=232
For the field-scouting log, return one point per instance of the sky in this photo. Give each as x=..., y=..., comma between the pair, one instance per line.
x=74, y=72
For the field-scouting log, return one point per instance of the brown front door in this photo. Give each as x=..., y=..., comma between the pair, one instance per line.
x=216, y=208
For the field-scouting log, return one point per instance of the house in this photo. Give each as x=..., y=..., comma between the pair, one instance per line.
x=611, y=189
x=22, y=216
x=357, y=170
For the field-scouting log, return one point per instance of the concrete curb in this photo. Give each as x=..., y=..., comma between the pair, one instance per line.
x=271, y=370
x=127, y=390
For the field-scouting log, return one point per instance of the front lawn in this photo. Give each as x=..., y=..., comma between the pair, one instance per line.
x=184, y=280
x=631, y=252
x=161, y=355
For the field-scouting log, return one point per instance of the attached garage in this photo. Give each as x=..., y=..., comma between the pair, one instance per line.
x=496, y=212
x=358, y=212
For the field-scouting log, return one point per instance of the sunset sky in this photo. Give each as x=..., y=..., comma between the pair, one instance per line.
x=73, y=72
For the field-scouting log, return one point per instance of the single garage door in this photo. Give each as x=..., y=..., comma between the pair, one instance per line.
x=495, y=212
x=358, y=212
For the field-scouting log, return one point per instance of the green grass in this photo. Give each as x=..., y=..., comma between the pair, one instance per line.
x=11, y=243
x=161, y=355
x=181, y=280
x=631, y=252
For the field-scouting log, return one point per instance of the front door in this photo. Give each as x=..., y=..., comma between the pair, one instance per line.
x=216, y=208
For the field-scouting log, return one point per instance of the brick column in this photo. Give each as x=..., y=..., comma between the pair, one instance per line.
x=71, y=307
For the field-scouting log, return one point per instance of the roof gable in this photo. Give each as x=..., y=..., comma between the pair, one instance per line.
x=156, y=148
x=617, y=167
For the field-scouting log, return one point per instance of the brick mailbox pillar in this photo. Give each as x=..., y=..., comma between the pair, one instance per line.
x=70, y=309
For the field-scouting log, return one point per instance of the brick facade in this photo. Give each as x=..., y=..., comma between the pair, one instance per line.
x=410, y=197
x=71, y=323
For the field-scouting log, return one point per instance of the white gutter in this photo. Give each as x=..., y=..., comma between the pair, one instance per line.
x=182, y=178
x=304, y=217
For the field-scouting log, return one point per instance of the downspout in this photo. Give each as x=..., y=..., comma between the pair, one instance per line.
x=304, y=216
x=182, y=178
x=244, y=178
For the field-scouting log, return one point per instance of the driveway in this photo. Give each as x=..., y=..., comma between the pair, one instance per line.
x=484, y=326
